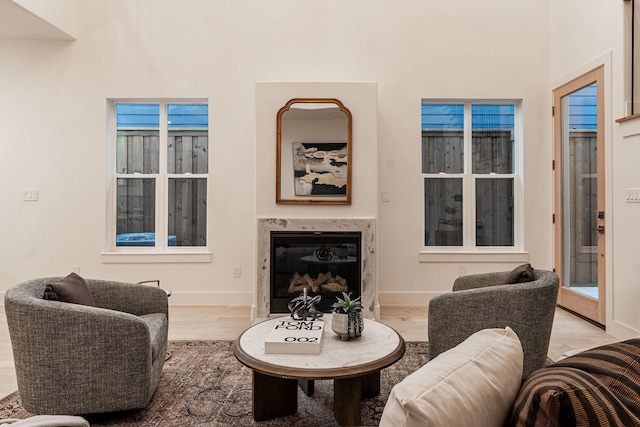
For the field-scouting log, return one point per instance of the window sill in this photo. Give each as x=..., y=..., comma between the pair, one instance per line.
x=482, y=257
x=628, y=118
x=155, y=258
x=629, y=126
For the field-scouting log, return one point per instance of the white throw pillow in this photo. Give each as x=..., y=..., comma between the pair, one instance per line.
x=474, y=383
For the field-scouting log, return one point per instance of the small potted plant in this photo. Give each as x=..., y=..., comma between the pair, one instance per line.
x=346, y=319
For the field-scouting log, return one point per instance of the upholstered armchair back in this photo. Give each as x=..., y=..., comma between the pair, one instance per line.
x=482, y=301
x=77, y=359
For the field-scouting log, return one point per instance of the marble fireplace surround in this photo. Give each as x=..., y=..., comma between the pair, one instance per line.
x=367, y=226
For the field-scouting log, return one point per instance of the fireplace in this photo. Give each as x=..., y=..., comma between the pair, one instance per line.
x=327, y=263
x=368, y=273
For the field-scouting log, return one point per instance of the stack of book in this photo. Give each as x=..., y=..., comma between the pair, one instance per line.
x=295, y=337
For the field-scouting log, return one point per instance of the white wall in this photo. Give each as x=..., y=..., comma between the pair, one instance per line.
x=594, y=35
x=60, y=14
x=469, y=50
x=52, y=100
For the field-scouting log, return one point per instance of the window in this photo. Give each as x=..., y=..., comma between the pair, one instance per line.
x=160, y=175
x=469, y=173
x=582, y=202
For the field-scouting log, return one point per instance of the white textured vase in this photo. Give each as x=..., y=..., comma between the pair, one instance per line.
x=348, y=326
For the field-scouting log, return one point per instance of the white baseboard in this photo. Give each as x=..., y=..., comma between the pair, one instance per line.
x=246, y=298
x=621, y=331
x=211, y=298
x=200, y=298
x=406, y=298
x=614, y=328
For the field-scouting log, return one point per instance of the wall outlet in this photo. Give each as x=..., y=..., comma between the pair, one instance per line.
x=30, y=195
x=75, y=269
x=237, y=272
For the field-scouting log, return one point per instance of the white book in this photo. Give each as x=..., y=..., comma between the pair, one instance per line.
x=295, y=337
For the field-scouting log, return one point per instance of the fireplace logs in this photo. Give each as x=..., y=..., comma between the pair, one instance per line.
x=325, y=282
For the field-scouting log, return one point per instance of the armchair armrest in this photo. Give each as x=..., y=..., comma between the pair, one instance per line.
x=455, y=316
x=128, y=297
x=475, y=281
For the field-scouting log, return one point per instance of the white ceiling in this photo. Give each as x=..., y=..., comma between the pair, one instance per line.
x=18, y=23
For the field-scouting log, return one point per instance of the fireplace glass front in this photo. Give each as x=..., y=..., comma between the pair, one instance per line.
x=326, y=263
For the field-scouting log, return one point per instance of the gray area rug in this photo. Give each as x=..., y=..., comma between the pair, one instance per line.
x=204, y=385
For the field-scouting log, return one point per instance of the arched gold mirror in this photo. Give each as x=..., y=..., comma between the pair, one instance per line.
x=313, y=152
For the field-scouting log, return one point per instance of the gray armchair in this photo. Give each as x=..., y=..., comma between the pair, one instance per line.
x=76, y=359
x=481, y=301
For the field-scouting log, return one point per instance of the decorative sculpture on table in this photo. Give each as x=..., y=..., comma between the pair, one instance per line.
x=304, y=308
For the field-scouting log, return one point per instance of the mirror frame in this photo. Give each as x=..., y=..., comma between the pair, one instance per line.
x=312, y=200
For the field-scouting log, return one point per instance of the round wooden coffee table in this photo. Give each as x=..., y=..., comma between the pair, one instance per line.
x=354, y=366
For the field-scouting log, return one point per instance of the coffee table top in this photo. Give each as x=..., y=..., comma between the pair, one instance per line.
x=378, y=347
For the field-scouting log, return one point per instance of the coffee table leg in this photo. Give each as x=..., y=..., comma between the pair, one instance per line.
x=308, y=386
x=371, y=385
x=347, y=395
x=273, y=397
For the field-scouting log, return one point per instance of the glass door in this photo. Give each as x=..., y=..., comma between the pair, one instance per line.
x=579, y=206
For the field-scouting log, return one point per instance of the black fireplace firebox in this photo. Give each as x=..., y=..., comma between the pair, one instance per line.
x=327, y=263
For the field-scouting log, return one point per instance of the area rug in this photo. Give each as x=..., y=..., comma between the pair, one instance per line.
x=203, y=384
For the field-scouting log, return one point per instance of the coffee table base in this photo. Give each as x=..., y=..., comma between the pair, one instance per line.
x=275, y=397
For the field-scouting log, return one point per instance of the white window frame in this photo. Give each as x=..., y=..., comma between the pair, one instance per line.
x=469, y=250
x=161, y=251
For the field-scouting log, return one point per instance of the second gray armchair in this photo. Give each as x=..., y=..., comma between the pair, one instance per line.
x=483, y=301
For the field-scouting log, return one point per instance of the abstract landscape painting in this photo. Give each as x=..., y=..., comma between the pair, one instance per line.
x=320, y=168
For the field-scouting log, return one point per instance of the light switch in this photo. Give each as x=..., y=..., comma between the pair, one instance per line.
x=632, y=195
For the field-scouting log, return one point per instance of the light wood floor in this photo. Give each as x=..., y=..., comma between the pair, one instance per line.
x=195, y=322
